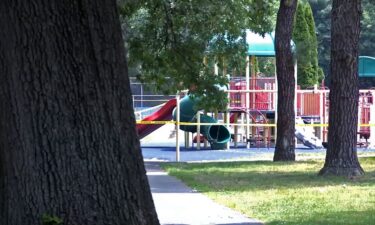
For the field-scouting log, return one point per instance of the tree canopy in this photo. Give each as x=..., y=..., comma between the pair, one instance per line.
x=174, y=44
x=367, y=38
x=322, y=15
x=168, y=39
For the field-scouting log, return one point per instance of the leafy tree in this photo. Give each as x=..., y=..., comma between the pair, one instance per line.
x=322, y=16
x=69, y=152
x=304, y=36
x=341, y=157
x=318, y=71
x=169, y=40
x=285, y=144
x=367, y=38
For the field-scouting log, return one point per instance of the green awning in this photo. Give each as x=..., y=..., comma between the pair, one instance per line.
x=262, y=46
x=366, y=66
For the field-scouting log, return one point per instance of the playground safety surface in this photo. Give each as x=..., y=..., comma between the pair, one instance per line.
x=167, y=153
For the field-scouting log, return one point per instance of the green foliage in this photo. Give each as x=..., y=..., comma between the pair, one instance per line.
x=309, y=72
x=51, y=220
x=267, y=66
x=167, y=41
x=367, y=38
x=322, y=14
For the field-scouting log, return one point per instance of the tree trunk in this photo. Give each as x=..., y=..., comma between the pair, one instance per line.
x=285, y=144
x=341, y=158
x=68, y=143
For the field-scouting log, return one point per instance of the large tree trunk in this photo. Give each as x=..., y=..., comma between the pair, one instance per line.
x=285, y=144
x=341, y=158
x=68, y=144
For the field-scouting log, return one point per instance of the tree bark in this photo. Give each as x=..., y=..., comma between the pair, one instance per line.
x=341, y=157
x=285, y=144
x=68, y=143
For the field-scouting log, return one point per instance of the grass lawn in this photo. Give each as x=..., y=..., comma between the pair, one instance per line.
x=285, y=193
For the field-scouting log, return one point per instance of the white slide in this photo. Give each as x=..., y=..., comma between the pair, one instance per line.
x=305, y=134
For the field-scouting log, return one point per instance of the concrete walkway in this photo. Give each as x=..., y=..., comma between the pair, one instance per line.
x=177, y=204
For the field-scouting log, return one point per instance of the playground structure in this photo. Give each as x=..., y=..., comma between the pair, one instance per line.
x=217, y=135
x=251, y=114
x=312, y=108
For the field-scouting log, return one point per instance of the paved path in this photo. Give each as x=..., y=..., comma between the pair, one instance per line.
x=177, y=204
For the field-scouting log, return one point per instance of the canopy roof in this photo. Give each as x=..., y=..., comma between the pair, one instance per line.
x=262, y=46
x=366, y=66
x=257, y=44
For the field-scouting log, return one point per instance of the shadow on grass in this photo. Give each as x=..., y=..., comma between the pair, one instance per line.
x=253, y=181
x=214, y=177
x=247, y=223
x=336, y=218
x=238, y=164
x=235, y=164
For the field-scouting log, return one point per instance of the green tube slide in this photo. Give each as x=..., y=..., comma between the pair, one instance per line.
x=217, y=135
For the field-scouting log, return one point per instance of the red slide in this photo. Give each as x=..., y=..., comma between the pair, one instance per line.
x=163, y=114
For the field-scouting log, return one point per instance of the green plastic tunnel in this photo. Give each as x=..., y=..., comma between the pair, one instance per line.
x=217, y=135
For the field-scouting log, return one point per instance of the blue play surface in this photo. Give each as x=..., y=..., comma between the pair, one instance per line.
x=168, y=153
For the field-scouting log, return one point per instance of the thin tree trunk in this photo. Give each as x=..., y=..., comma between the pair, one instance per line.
x=285, y=144
x=68, y=144
x=341, y=157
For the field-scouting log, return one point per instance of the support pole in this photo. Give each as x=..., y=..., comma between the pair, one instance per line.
x=324, y=107
x=253, y=94
x=228, y=118
x=177, y=127
x=227, y=115
x=360, y=108
x=247, y=103
x=295, y=95
x=216, y=69
x=198, y=131
x=276, y=99
x=235, y=130
x=372, y=122
x=205, y=142
x=295, y=89
x=187, y=141
x=321, y=115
